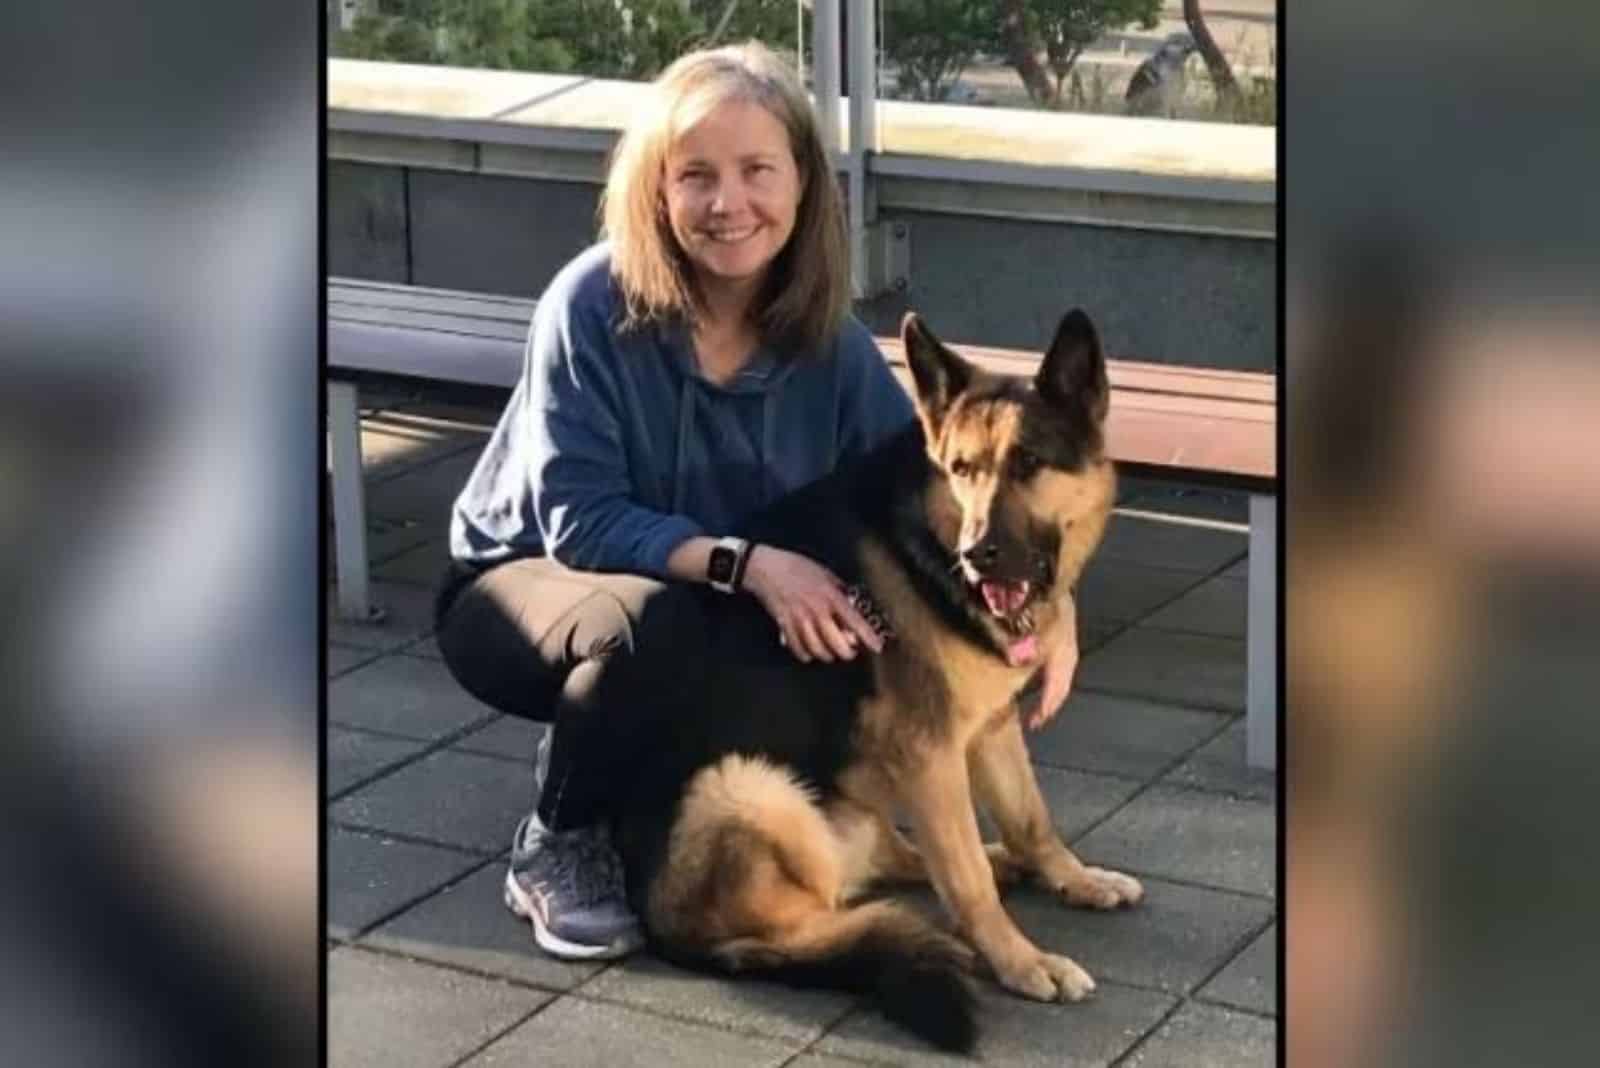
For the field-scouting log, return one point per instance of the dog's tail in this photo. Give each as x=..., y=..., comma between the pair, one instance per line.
x=752, y=885
x=915, y=974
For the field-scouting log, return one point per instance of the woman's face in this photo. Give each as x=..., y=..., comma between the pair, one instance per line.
x=732, y=189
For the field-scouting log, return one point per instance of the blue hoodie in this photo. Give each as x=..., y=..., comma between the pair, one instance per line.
x=615, y=449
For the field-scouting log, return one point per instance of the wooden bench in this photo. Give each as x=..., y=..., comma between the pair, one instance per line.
x=1183, y=424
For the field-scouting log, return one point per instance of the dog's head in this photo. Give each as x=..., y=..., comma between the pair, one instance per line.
x=1026, y=488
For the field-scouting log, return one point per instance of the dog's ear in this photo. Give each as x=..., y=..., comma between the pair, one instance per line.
x=1074, y=370
x=940, y=375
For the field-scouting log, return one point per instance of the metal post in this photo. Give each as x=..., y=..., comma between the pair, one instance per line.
x=349, y=503
x=1261, y=636
x=863, y=133
x=825, y=71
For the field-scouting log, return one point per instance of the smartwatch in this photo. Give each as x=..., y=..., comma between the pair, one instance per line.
x=725, y=569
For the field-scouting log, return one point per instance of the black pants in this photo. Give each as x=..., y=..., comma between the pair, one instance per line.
x=531, y=638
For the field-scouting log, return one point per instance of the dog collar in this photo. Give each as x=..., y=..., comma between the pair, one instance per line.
x=863, y=603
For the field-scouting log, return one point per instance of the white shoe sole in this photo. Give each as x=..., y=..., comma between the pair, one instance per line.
x=521, y=906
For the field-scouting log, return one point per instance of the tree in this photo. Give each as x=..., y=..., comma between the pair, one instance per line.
x=1061, y=30
x=932, y=41
x=1222, y=79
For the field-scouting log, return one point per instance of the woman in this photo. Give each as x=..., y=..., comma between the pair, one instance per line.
x=697, y=365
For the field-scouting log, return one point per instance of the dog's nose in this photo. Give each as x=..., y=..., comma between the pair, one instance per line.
x=982, y=555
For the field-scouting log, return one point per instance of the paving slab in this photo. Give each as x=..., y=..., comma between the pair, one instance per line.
x=458, y=799
x=1196, y=670
x=1093, y=633
x=1121, y=735
x=408, y=616
x=1078, y=800
x=1221, y=765
x=1172, y=941
x=1250, y=980
x=426, y=491
x=390, y=1013
x=386, y=538
x=443, y=404
x=354, y=755
x=509, y=737
x=468, y=925
x=370, y=876
x=1203, y=1036
x=1241, y=570
x=341, y=658
x=1180, y=546
x=1217, y=606
x=428, y=648
x=393, y=442
x=1120, y=592
x=1225, y=842
x=1015, y=1031
x=422, y=566
x=578, y=1033
x=404, y=695
x=746, y=1005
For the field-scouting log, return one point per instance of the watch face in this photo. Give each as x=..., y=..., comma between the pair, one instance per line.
x=720, y=568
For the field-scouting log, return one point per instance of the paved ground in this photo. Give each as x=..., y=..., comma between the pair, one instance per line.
x=1144, y=770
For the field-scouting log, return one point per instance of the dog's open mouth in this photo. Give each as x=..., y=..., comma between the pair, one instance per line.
x=1011, y=605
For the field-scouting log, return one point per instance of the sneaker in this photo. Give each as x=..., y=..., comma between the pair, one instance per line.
x=568, y=884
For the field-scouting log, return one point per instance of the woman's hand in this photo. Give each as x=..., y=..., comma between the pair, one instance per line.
x=1060, y=665
x=815, y=619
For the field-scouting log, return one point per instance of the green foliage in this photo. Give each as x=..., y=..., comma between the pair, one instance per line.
x=1064, y=28
x=932, y=41
x=633, y=39
x=502, y=34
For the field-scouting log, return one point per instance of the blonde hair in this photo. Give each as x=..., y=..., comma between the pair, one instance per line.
x=807, y=291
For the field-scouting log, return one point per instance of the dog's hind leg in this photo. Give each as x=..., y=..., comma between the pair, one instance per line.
x=875, y=852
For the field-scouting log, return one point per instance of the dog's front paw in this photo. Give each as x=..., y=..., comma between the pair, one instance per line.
x=1100, y=888
x=1048, y=977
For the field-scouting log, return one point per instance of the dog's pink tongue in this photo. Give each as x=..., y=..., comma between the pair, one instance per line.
x=1023, y=651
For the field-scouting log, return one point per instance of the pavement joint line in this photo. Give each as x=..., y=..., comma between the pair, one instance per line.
x=1192, y=884
x=1202, y=577
x=1213, y=1003
x=581, y=994
x=1143, y=789
x=372, y=654
x=492, y=1039
x=1133, y=1047
x=430, y=746
x=406, y=906
x=415, y=839
x=462, y=969
x=1237, y=952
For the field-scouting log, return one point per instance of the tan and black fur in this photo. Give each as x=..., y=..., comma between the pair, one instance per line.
x=767, y=806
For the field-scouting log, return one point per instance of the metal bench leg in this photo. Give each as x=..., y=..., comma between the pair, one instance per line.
x=349, y=504
x=1261, y=647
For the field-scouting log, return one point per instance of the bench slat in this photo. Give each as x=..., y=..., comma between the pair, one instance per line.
x=1184, y=423
x=442, y=301
x=415, y=319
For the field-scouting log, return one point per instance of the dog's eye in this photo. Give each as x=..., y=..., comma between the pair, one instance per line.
x=960, y=468
x=1025, y=463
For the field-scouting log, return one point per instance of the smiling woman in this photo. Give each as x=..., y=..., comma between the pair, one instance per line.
x=689, y=370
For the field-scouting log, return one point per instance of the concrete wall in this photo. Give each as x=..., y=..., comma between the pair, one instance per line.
x=1160, y=295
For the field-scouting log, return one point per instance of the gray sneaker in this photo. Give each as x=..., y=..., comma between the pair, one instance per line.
x=568, y=884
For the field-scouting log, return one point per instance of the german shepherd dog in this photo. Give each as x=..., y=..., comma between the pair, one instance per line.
x=767, y=805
